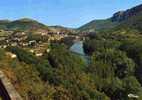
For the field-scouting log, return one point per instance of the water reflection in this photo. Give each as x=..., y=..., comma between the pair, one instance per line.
x=77, y=48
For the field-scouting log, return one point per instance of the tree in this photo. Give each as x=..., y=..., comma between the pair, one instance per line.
x=93, y=45
x=133, y=48
x=132, y=86
x=121, y=64
x=69, y=71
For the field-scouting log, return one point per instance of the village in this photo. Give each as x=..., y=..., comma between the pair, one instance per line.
x=36, y=43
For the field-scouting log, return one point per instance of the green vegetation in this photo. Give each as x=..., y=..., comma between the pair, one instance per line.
x=116, y=56
x=134, y=50
x=61, y=29
x=3, y=24
x=30, y=25
x=98, y=25
x=58, y=75
x=114, y=71
x=116, y=64
x=25, y=25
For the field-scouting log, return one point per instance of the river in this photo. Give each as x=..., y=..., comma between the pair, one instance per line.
x=77, y=48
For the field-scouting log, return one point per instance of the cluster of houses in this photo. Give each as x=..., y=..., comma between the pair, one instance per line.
x=36, y=47
x=20, y=39
x=13, y=40
x=40, y=49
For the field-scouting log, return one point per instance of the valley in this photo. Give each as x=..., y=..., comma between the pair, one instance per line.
x=101, y=60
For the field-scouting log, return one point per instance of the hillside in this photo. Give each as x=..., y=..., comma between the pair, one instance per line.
x=4, y=23
x=61, y=29
x=97, y=25
x=130, y=18
x=27, y=24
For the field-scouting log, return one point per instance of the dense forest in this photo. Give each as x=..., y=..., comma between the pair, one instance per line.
x=115, y=64
x=116, y=55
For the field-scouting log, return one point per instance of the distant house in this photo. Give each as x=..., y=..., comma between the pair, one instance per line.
x=32, y=43
x=24, y=44
x=11, y=55
x=43, y=34
x=4, y=46
x=58, y=33
x=32, y=51
x=48, y=50
x=2, y=38
x=14, y=44
x=39, y=54
x=23, y=33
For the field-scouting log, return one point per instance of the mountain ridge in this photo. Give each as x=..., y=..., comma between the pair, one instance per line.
x=27, y=24
x=134, y=15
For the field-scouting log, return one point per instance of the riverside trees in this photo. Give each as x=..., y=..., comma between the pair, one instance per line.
x=115, y=64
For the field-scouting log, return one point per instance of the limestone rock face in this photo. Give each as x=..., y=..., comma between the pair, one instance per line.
x=123, y=15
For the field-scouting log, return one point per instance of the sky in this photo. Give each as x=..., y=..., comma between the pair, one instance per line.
x=69, y=13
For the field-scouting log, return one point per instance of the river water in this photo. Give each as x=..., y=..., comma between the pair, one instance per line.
x=77, y=48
